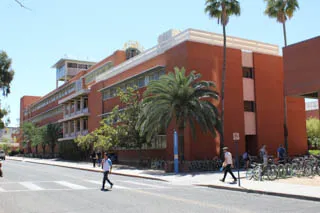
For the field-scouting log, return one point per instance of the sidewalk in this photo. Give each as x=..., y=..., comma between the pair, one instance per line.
x=208, y=179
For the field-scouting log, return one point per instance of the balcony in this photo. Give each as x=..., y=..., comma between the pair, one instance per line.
x=76, y=114
x=73, y=135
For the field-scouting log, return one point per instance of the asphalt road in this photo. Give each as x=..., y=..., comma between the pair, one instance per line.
x=35, y=188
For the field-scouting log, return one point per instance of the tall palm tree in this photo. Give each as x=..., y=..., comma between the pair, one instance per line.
x=282, y=10
x=182, y=98
x=222, y=10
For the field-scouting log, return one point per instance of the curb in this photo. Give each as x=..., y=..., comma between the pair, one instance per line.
x=92, y=170
x=300, y=197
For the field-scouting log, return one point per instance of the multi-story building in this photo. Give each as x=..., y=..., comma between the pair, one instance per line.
x=253, y=94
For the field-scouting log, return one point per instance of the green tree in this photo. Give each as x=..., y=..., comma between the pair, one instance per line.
x=53, y=132
x=37, y=138
x=130, y=136
x=313, y=132
x=105, y=137
x=6, y=76
x=182, y=98
x=282, y=10
x=5, y=148
x=222, y=10
x=27, y=134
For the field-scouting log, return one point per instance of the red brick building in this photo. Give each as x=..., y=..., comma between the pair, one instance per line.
x=253, y=93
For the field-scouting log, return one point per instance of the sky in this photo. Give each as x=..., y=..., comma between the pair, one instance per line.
x=92, y=30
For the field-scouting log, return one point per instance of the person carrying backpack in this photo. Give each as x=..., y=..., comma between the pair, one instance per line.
x=107, y=167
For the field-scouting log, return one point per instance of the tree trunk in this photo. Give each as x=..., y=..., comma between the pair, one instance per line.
x=52, y=149
x=222, y=88
x=36, y=149
x=284, y=33
x=285, y=127
x=43, y=150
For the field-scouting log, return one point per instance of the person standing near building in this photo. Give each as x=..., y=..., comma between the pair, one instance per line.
x=263, y=154
x=281, y=152
x=94, y=158
x=99, y=158
x=107, y=167
x=227, y=164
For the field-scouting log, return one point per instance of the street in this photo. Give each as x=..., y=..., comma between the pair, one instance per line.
x=33, y=188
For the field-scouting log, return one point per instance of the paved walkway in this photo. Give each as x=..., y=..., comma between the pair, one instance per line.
x=210, y=179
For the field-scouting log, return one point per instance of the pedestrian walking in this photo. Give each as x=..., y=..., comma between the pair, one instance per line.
x=107, y=167
x=227, y=164
x=94, y=158
x=0, y=169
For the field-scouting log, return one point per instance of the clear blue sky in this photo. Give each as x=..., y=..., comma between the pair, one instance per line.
x=93, y=29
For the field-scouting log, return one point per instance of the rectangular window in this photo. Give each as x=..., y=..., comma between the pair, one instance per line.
x=247, y=72
x=141, y=82
x=72, y=65
x=85, y=103
x=249, y=106
x=85, y=123
x=78, y=104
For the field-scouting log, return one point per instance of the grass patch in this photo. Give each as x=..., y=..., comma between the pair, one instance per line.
x=314, y=152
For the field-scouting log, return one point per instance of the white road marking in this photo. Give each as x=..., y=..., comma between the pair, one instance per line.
x=70, y=185
x=145, y=184
x=31, y=186
x=100, y=183
x=2, y=190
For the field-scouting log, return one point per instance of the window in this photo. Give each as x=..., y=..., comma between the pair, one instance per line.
x=72, y=65
x=85, y=103
x=247, y=72
x=141, y=82
x=85, y=123
x=249, y=106
x=78, y=125
x=78, y=104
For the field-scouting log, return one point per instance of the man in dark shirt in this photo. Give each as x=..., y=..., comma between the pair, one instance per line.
x=281, y=153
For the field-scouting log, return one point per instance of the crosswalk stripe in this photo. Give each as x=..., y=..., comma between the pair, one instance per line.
x=70, y=185
x=100, y=183
x=145, y=184
x=31, y=186
x=2, y=190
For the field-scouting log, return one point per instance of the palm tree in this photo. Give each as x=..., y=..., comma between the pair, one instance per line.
x=180, y=97
x=282, y=10
x=222, y=10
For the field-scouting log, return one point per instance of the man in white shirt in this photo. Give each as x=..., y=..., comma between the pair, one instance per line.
x=227, y=164
x=107, y=167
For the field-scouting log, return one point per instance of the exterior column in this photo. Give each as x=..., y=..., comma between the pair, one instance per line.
x=81, y=103
x=75, y=127
x=69, y=127
x=69, y=105
x=81, y=124
x=64, y=129
x=75, y=105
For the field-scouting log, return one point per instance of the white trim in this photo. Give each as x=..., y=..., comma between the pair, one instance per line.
x=74, y=95
x=195, y=36
x=133, y=76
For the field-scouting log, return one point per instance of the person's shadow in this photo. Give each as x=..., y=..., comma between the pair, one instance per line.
x=105, y=190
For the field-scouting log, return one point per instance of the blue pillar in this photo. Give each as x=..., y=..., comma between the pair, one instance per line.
x=175, y=152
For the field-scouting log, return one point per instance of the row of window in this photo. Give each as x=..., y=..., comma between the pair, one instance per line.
x=159, y=142
x=78, y=124
x=93, y=74
x=80, y=66
x=139, y=82
x=49, y=114
x=65, y=91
